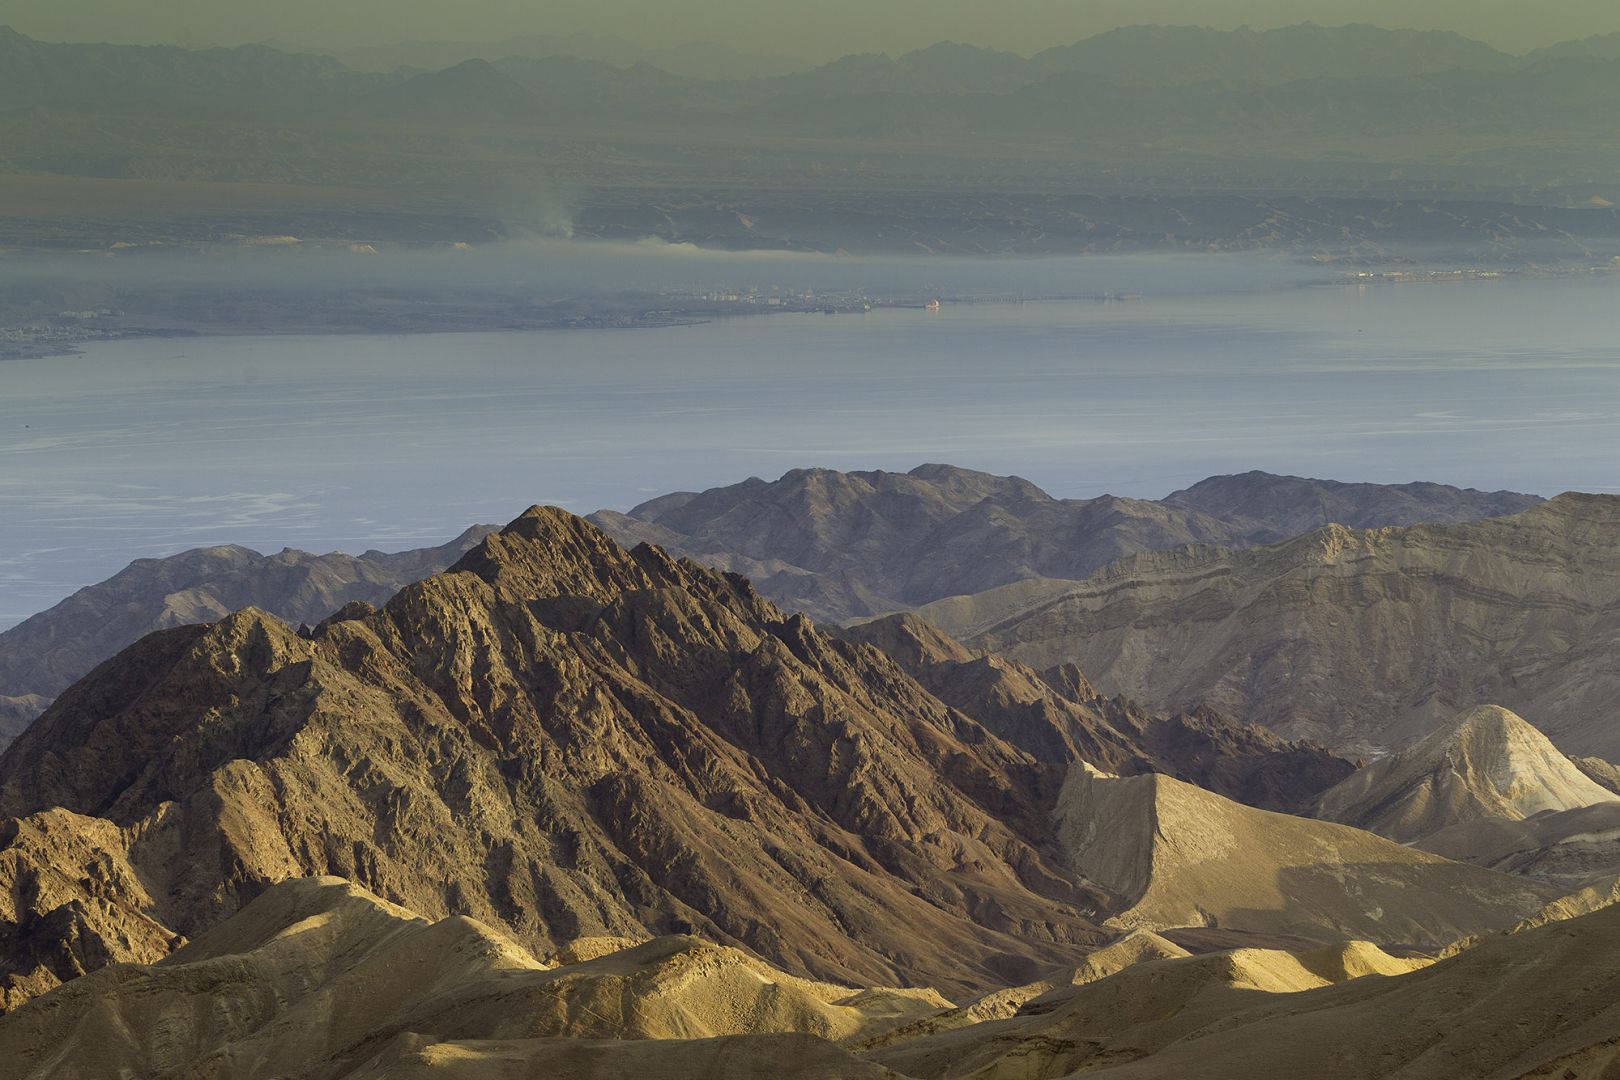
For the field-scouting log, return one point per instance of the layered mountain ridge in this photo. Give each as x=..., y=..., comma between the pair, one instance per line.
x=835, y=545
x=562, y=738
x=1364, y=640
x=597, y=811
x=848, y=545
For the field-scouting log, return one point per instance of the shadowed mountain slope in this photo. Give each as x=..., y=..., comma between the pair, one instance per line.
x=559, y=738
x=1358, y=639
x=1566, y=847
x=846, y=545
x=1060, y=717
x=42, y=656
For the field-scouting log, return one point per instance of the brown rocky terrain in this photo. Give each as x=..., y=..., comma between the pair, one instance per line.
x=1059, y=716
x=44, y=655
x=561, y=739
x=841, y=546
x=1358, y=639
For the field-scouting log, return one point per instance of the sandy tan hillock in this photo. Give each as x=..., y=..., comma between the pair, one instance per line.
x=320, y=979
x=1486, y=764
x=1134, y=1012
x=1176, y=855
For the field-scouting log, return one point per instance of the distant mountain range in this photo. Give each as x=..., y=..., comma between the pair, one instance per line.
x=835, y=545
x=846, y=545
x=1129, y=88
x=1147, y=80
x=42, y=656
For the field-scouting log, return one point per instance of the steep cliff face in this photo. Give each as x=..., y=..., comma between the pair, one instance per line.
x=557, y=737
x=1487, y=764
x=1362, y=640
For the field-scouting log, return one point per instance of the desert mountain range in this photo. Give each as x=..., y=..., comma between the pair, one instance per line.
x=840, y=546
x=572, y=809
x=836, y=546
x=1363, y=639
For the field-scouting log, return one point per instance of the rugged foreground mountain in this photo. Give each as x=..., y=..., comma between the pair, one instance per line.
x=1359, y=639
x=603, y=813
x=561, y=738
x=845, y=545
x=44, y=655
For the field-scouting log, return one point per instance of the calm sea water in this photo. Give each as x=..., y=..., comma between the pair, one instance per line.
x=144, y=448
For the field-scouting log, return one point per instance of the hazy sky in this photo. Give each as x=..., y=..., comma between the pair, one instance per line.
x=811, y=28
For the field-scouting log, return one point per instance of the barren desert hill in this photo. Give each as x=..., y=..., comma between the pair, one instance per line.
x=847, y=545
x=560, y=738
x=1364, y=640
x=320, y=979
x=1539, y=1002
x=1175, y=855
x=327, y=980
x=1486, y=764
